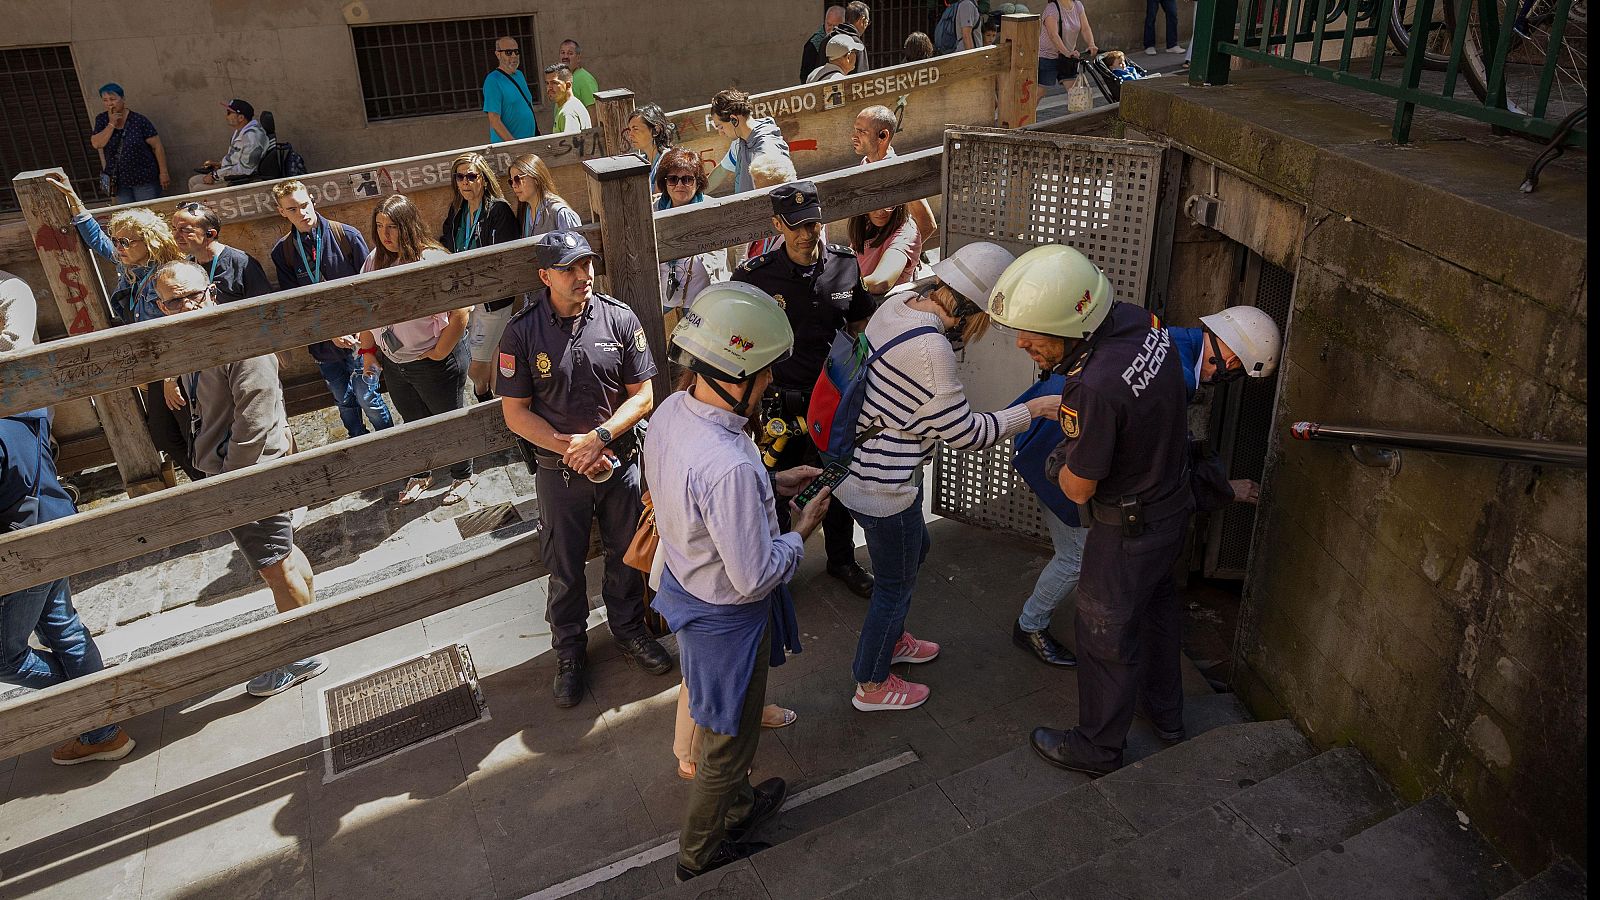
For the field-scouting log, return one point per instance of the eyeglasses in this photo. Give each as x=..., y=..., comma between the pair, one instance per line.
x=125, y=243
x=679, y=179
x=190, y=207
x=516, y=178
x=469, y=177
x=187, y=301
x=512, y=52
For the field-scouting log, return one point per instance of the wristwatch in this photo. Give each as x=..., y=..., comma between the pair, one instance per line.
x=605, y=436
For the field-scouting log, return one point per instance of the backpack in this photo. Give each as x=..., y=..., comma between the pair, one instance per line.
x=842, y=389
x=944, y=33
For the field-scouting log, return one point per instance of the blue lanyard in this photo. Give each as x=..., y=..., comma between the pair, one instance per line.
x=528, y=221
x=469, y=222
x=212, y=275
x=313, y=272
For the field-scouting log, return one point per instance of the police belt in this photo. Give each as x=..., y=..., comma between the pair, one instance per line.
x=625, y=446
x=1133, y=514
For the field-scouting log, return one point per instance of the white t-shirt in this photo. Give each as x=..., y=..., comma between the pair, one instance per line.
x=572, y=117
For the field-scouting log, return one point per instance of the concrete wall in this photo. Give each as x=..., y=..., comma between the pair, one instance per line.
x=1436, y=618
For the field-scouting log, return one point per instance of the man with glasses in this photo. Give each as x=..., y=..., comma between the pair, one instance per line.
x=749, y=137
x=506, y=97
x=571, y=115
x=237, y=419
x=236, y=273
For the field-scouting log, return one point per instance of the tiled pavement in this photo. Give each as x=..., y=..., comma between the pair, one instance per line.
x=225, y=795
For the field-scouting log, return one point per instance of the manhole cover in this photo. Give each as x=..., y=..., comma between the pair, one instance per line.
x=401, y=706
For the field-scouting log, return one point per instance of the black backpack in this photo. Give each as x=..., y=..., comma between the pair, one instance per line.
x=280, y=160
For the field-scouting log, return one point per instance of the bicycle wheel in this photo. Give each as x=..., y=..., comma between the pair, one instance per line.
x=1530, y=48
x=1436, y=55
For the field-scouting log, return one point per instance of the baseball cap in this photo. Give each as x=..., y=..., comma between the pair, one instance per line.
x=796, y=203
x=559, y=249
x=241, y=107
x=840, y=44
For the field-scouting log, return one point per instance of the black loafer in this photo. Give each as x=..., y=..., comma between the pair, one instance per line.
x=648, y=653
x=770, y=795
x=857, y=579
x=727, y=852
x=568, y=684
x=1044, y=647
x=1051, y=745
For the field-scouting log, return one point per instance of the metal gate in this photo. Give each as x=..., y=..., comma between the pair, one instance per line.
x=1021, y=190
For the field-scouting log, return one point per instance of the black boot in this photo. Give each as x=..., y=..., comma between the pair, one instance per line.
x=648, y=653
x=568, y=685
x=770, y=795
x=727, y=852
x=1051, y=745
x=1047, y=649
x=857, y=579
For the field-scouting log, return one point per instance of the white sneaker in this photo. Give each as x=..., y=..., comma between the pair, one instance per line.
x=1176, y=48
x=279, y=680
x=1149, y=51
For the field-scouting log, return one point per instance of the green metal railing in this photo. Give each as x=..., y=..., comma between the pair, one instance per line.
x=1530, y=78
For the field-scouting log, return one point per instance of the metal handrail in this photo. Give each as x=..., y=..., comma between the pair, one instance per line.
x=1541, y=452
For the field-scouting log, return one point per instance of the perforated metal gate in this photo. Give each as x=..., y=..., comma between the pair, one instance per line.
x=1021, y=190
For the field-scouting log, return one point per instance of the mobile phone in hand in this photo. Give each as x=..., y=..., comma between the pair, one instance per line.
x=831, y=477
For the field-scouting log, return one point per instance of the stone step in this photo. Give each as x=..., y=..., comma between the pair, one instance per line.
x=1563, y=880
x=1234, y=843
x=1425, y=852
x=1078, y=825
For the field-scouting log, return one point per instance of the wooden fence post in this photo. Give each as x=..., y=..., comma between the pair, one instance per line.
x=1018, y=85
x=619, y=194
x=612, y=108
x=75, y=283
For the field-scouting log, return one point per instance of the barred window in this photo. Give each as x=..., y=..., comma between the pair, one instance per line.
x=433, y=68
x=43, y=122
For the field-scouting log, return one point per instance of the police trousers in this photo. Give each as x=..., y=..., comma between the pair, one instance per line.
x=569, y=503
x=1129, y=633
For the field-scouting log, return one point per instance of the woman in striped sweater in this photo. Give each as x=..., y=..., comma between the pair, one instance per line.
x=914, y=393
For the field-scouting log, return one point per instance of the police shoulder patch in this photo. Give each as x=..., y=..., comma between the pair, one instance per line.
x=1069, y=421
x=508, y=365
x=640, y=343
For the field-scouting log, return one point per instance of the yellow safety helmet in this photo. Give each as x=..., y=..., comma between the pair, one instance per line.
x=1053, y=290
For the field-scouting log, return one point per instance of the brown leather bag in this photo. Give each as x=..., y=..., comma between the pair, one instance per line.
x=642, y=549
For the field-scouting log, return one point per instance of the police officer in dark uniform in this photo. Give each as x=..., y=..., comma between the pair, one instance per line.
x=1124, y=461
x=819, y=287
x=574, y=378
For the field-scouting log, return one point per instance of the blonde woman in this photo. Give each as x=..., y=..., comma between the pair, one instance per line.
x=138, y=241
x=479, y=217
x=539, y=207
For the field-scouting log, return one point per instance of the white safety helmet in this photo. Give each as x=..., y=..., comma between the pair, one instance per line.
x=973, y=270
x=1251, y=335
x=731, y=331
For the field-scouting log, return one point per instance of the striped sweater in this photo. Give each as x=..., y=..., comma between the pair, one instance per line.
x=915, y=392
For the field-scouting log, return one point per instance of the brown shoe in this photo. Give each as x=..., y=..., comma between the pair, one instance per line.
x=75, y=751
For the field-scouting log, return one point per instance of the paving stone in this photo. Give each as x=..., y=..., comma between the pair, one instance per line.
x=1005, y=856
x=847, y=802
x=1196, y=773
x=638, y=882
x=1283, y=886
x=1423, y=852
x=1007, y=784
x=859, y=846
x=1208, y=855
x=839, y=738
x=200, y=738
x=1317, y=803
x=738, y=881
x=108, y=863
x=1563, y=880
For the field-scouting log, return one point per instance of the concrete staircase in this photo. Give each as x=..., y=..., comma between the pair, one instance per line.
x=1240, y=810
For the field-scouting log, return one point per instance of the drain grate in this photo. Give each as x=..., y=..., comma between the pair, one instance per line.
x=394, y=708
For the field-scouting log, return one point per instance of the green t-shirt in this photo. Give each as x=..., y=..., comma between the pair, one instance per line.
x=584, y=86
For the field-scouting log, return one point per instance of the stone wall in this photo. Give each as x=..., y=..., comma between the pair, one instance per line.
x=1435, y=617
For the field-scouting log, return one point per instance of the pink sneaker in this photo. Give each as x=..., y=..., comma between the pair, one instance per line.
x=896, y=693
x=910, y=650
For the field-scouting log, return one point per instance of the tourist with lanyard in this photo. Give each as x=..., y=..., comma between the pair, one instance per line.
x=139, y=242
x=538, y=207
x=236, y=273
x=425, y=358
x=725, y=560
x=480, y=217
x=652, y=134
x=680, y=181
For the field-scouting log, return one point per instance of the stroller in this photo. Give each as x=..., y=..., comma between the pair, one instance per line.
x=1110, y=85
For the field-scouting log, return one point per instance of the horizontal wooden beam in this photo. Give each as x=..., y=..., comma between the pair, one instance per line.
x=210, y=664
x=122, y=531
x=737, y=220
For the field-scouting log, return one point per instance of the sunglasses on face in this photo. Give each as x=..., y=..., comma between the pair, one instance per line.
x=125, y=243
x=184, y=301
x=679, y=179
x=512, y=52
x=518, y=179
x=469, y=177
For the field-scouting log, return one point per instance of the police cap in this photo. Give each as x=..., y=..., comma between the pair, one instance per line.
x=559, y=249
x=796, y=203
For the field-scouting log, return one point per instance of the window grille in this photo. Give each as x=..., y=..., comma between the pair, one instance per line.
x=434, y=68
x=43, y=122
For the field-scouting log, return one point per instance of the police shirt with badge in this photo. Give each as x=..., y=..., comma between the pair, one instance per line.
x=575, y=369
x=818, y=300
x=1122, y=410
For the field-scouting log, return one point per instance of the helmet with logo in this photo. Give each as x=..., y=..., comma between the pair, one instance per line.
x=1052, y=290
x=973, y=270
x=1249, y=333
x=731, y=331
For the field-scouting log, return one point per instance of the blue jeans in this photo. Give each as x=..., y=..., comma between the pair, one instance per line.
x=1170, y=7
x=354, y=394
x=897, y=546
x=138, y=193
x=70, y=650
x=1060, y=575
